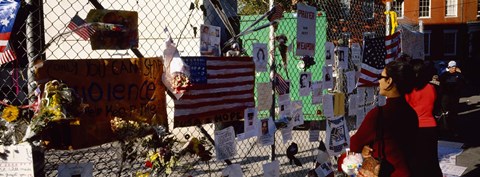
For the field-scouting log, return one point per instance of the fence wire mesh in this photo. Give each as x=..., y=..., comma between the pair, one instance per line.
x=340, y=22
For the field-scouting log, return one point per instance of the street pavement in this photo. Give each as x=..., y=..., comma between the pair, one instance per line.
x=469, y=130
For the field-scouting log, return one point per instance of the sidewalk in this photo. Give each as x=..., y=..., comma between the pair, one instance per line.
x=469, y=131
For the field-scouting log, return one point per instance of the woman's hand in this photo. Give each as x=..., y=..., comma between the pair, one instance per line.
x=367, y=152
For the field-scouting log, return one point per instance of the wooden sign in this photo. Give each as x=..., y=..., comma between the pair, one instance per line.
x=127, y=88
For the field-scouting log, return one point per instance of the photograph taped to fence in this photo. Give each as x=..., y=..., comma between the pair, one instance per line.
x=260, y=56
x=114, y=39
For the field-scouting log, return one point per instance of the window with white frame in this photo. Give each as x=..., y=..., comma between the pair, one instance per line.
x=398, y=7
x=451, y=7
x=426, y=42
x=424, y=8
x=449, y=42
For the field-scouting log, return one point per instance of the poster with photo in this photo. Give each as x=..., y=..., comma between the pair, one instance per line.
x=327, y=77
x=210, y=40
x=337, y=136
x=250, y=117
x=260, y=56
x=305, y=82
x=314, y=131
x=329, y=53
x=342, y=57
x=297, y=113
x=266, y=131
x=356, y=54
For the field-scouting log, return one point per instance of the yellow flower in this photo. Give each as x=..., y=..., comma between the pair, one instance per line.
x=10, y=113
x=154, y=157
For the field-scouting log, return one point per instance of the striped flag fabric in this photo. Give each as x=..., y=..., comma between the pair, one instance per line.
x=79, y=26
x=373, y=61
x=221, y=89
x=8, y=55
x=393, y=47
x=8, y=13
x=281, y=85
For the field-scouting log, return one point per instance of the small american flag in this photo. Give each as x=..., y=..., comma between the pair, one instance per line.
x=8, y=55
x=281, y=86
x=275, y=13
x=393, y=47
x=79, y=26
x=221, y=90
x=373, y=61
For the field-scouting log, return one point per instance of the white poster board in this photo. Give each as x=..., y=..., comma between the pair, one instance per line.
x=18, y=160
x=306, y=22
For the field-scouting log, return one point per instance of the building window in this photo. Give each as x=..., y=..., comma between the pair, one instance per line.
x=398, y=7
x=451, y=8
x=424, y=8
x=426, y=42
x=478, y=8
x=450, y=42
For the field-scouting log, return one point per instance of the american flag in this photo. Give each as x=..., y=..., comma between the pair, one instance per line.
x=8, y=55
x=281, y=86
x=222, y=88
x=373, y=61
x=393, y=47
x=8, y=12
x=79, y=26
x=275, y=13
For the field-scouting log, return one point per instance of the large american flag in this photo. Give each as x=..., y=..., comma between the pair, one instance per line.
x=8, y=12
x=373, y=61
x=79, y=26
x=222, y=88
x=393, y=47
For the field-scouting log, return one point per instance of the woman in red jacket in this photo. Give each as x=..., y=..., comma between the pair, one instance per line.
x=422, y=100
x=398, y=120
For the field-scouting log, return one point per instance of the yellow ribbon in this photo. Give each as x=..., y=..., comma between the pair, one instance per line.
x=393, y=20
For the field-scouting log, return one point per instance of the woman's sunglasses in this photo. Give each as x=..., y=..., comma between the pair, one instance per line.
x=379, y=76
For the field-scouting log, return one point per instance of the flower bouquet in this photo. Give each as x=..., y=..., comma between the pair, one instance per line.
x=352, y=163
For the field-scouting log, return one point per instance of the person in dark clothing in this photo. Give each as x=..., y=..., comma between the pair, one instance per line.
x=398, y=120
x=422, y=99
x=451, y=84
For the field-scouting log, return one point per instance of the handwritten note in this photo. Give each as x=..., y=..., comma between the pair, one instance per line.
x=264, y=96
x=18, y=161
x=327, y=101
x=225, y=146
x=317, y=92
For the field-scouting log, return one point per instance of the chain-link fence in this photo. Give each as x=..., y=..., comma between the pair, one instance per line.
x=39, y=23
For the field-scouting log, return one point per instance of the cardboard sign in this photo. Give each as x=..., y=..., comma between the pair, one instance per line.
x=105, y=38
x=127, y=88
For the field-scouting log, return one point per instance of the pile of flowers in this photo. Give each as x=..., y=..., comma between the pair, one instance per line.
x=58, y=103
x=352, y=163
x=128, y=129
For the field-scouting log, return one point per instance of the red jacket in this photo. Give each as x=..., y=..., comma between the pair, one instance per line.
x=400, y=125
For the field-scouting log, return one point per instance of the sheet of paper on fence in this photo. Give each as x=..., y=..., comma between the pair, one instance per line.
x=352, y=105
x=361, y=95
x=128, y=88
x=452, y=169
x=356, y=54
x=360, y=116
x=225, y=145
x=81, y=169
x=329, y=53
x=305, y=83
x=264, y=96
x=260, y=56
x=271, y=169
x=350, y=81
x=266, y=132
x=370, y=97
x=210, y=40
x=327, y=77
x=314, y=131
x=233, y=170
x=317, y=92
x=284, y=104
x=327, y=103
x=18, y=160
x=337, y=137
x=342, y=57
x=323, y=170
x=250, y=116
x=297, y=113
x=286, y=134
x=306, y=23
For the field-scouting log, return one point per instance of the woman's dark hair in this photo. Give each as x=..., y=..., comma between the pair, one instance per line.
x=402, y=74
x=423, y=73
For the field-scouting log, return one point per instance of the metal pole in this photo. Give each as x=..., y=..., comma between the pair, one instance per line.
x=271, y=45
x=387, y=18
